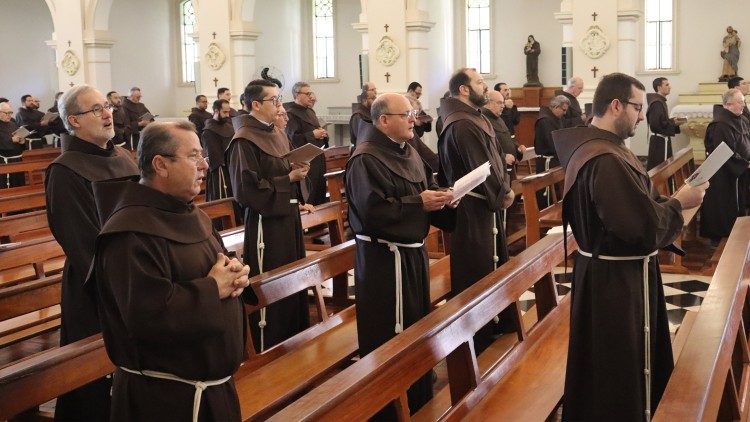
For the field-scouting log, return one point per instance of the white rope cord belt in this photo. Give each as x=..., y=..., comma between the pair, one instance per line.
x=495, y=257
x=121, y=144
x=199, y=385
x=646, y=317
x=260, y=248
x=547, y=161
x=393, y=247
x=223, y=183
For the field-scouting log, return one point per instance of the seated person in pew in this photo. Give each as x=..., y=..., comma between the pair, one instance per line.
x=217, y=134
x=173, y=321
x=478, y=245
x=11, y=147
x=71, y=212
x=619, y=222
x=392, y=202
x=267, y=185
x=726, y=198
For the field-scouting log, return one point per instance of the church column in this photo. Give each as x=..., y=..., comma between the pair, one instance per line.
x=98, y=59
x=67, y=41
x=628, y=36
x=418, y=26
x=214, y=46
x=243, y=55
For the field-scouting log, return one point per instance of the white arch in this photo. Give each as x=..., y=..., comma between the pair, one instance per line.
x=96, y=16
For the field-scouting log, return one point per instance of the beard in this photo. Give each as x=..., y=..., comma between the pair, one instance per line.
x=476, y=98
x=623, y=127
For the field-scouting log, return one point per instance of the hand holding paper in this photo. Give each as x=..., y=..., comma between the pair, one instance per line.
x=713, y=163
x=303, y=154
x=471, y=180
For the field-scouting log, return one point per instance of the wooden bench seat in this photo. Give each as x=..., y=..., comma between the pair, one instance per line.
x=36, y=258
x=273, y=379
x=22, y=202
x=13, y=226
x=383, y=376
x=711, y=378
x=220, y=210
x=536, y=219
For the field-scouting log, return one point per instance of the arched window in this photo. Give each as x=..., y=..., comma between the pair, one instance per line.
x=659, y=37
x=188, y=49
x=323, y=39
x=478, y=35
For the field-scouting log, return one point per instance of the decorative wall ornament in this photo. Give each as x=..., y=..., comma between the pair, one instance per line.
x=387, y=52
x=595, y=43
x=70, y=63
x=215, y=56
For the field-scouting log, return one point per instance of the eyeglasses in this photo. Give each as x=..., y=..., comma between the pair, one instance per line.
x=636, y=106
x=196, y=157
x=97, y=110
x=410, y=113
x=7, y=113
x=308, y=93
x=276, y=100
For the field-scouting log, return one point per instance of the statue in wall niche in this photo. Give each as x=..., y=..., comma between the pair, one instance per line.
x=730, y=52
x=532, y=50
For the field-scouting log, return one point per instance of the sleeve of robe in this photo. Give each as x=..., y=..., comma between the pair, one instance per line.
x=296, y=133
x=72, y=216
x=380, y=211
x=354, y=123
x=739, y=162
x=444, y=219
x=267, y=196
x=31, y=125
x=154, y=307
x=543, y=143
x=641, y=219
x=659, y=121
x=196, y=121
x=468, y=142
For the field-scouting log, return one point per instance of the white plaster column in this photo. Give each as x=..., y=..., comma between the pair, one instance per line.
x=418, y=26
x=243, y=57
x=67, y=41
x=98, y=59
x=628, y=36
x=213, y=17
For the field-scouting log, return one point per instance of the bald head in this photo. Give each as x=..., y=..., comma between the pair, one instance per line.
x=6, y=113
x=393, y=115
x=574, y=86
x=495, y=102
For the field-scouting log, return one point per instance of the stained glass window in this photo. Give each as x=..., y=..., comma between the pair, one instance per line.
x=188, y=47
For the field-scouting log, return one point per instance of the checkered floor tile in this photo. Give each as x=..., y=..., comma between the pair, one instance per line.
x=682, y=293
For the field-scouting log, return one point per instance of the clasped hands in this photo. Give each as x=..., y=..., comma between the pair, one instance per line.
x=230, y=275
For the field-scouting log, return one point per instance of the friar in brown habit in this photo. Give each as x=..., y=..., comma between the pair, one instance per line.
x=305, y=128
x=135, y=110
x=267, y=185
x=217, y=134
x=361, y=117
x=661, y=126
x=173, y=322
x=89, y=157
x=478, y=244
x=199, y=114
x=619, y=222
x=393, y=200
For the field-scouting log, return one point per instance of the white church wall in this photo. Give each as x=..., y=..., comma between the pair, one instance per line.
x=28, y=64
x=146, y=54
x=700, y=29
x=278, y=45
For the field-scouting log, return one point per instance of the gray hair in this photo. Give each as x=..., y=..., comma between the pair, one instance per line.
x=558, y=101
x=68, y=104
x=157, y=139
x=297, y=86
x=573, y=81
x=728, y=96
x=378, y=108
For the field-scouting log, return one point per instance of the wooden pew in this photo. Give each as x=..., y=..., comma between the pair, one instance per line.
x=29, y=309
x=328, y=214
x=13, y=227
x=33, y=170
x=336, y=158
x=317, y=353
x=335, y=185
x=42, y=154
x=536, y=219
x=306, y=357
x=22, y=202
x=710, y=378
x=382, y=377
x=29, y=260
x=667, y=178
x=221, y=210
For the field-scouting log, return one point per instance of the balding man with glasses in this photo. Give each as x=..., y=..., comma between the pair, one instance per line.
x=89, y=156
x=11, y=146
x=267, y=185
x=305, y=128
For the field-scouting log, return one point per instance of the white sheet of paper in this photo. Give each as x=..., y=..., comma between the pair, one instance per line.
x=22, y=132
x=713, y=163
x=471, y=180
x=303, y=154
x=529, y=154
x=50, y=116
